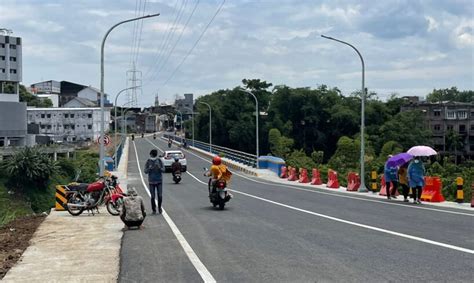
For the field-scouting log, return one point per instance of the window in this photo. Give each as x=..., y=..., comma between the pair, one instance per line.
x=12, y=46
x=462, y=114
x=12, y=71
x=72, y=115
x=472, y=127
x=42, y=115
x=66, y=115
x=3, y=71
x=462, y=128
x=451, y=115
x=73, y=127
x=89, y=115
x=43, y=126
x=66, y=127
x=48, y=116
x=472, y=114
x=89, y=127
x=437, y=112
x=2, y=45
x=437, y=127
x=2, y=58
x=49, y=127
x=12, y=59
x=450, y=127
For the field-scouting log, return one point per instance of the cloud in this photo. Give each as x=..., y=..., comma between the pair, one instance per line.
x=44, y=26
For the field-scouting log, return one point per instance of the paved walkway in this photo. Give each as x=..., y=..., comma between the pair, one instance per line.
x=65, y=248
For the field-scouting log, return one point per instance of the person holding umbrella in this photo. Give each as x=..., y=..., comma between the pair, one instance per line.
x=403, y=179
x=416, y=178
x=416, y=170
x=391, y=177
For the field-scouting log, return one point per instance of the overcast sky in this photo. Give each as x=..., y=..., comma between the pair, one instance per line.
x=409, y=47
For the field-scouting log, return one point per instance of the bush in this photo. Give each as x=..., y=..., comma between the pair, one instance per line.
x=87, y=162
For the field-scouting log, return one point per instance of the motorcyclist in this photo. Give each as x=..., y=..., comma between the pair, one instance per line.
x=176, y=166
x=218, y=171
x=169, y=142
x=154, y=136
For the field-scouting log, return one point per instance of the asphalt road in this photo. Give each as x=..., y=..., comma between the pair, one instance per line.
x=275, y=233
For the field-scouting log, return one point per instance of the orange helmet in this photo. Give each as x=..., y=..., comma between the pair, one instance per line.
x=216, y=160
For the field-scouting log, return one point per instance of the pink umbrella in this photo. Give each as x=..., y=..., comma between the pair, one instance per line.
x=421, y=150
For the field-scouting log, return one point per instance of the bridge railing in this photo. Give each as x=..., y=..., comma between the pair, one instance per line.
x=232, y=154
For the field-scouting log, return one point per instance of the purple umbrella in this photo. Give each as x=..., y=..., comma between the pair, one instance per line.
x=399, y=159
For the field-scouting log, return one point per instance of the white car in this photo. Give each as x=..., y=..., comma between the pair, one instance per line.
x=168, y=159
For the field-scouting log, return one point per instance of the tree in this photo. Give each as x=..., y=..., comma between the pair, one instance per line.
x=280, y=146
x=406, y=128
x=32, y=100
x=450, y=94
x=29, y=167
x=346, y=156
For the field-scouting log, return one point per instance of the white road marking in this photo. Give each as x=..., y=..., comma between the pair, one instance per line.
x=465, y=250
x=200, y=267
x=335, y=194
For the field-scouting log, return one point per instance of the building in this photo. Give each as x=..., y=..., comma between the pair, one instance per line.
x=68, y=124
x=443, y=117
x=10, y=68
x=13, y=128
x=79, y=102
x=185, y=105
x=46, y=87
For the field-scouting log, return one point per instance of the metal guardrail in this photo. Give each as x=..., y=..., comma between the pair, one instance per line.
x=232, y=154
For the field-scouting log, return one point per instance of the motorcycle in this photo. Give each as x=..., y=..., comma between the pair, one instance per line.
x=143, y=135
x=169, y=144
x=85, y=196
x=177, y=177
x=218, y=193
x=154, y=136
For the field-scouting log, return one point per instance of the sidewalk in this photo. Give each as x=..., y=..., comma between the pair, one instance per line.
x=272, y=176
x=65, y=248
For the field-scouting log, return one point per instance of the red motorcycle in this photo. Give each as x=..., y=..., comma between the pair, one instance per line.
x=106, y=191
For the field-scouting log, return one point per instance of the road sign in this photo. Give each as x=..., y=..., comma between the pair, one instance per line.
x=106, y=140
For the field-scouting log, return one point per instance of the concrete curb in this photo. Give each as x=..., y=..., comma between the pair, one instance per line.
x=65, y=248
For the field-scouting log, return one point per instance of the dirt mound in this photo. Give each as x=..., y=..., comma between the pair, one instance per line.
x=14, y=239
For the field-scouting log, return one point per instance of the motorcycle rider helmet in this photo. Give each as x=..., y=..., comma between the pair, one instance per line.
x=216, y=160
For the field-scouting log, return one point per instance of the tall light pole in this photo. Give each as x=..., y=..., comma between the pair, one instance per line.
x=115, y=122
x=362, y=188
x=210, y=125
x=102, y=112
x=192, y=120
x=256, y=120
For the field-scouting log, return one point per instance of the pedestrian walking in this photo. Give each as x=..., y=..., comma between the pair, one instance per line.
x=391, y=178
x=154, y=168
x=403, y=180
x=416, y=178
x=133, y=210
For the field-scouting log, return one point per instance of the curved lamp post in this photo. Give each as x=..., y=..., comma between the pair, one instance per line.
x=362, y=188
x=256, y=120
x=115, y=121
x=102, y=112
x=210, y=125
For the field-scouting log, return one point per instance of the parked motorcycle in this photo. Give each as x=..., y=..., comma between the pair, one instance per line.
x=177, y=177
x=218, y=193
x=106, y=191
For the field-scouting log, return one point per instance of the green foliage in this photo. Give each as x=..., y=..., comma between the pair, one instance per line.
x=347, y=155
x=279, y=145
x=317, y=156
x=450, y=94
x=299, y=159
x=29, y=167
x=33, y=100
x=389, y=148
x=87, y=162
x=11, y=206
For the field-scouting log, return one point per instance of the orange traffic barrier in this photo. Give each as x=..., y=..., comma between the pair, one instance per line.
x=284, y=172
x=293, y=175
x=353, y=182
x=333, y=182
x=316, y=179
x=303, y=176
x=432, y=190
x=383, y=188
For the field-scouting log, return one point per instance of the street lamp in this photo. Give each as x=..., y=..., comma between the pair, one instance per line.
x=256, y=120
x=102, y=112
x=192, y=121
x=210, y=125
x=362, y=188
x=115, y=121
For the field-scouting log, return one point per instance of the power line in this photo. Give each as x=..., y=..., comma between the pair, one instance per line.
x=164, y=43
x=195, y=44
x=176, y=42
x=132, y=47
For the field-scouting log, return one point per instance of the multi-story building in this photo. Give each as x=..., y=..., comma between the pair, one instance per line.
x=68, y=124
x=185, y=105
x=47, y=89
x=10, y=67
x=13, y=128
x=443, y=117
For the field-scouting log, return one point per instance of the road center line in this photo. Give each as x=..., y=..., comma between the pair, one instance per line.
x=465, y=250
x=197, y=263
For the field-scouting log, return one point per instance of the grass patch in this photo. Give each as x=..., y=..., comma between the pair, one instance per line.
x=11, y=206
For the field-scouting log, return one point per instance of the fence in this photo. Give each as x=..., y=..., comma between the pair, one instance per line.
x=232, y=154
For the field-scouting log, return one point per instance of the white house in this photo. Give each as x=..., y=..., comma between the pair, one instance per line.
x=68, y=124
x=79, y=102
